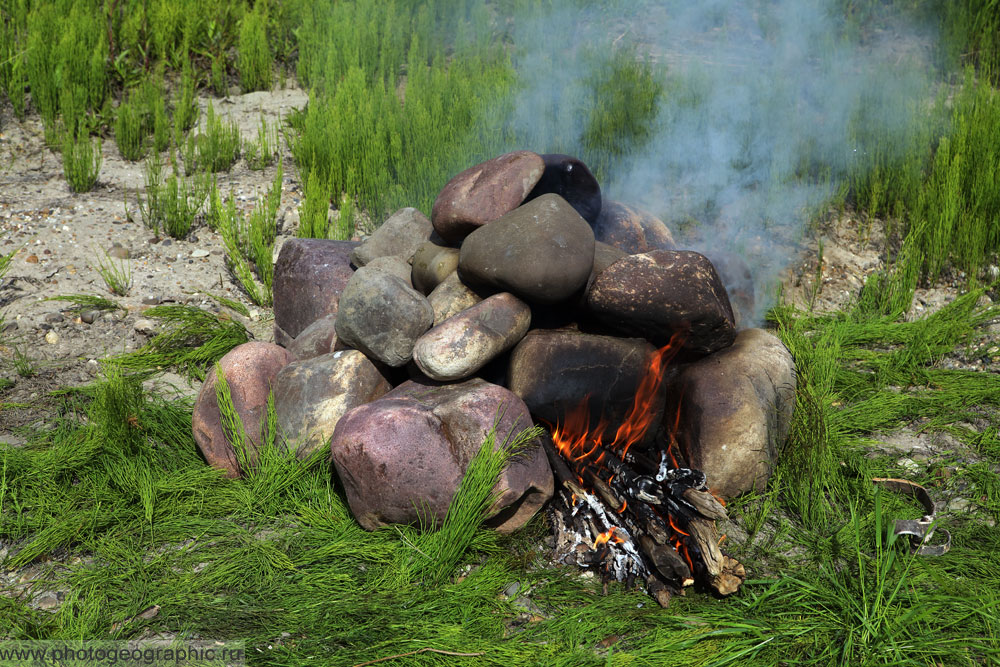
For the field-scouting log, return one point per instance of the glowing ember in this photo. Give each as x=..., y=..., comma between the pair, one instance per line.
x=608, y=536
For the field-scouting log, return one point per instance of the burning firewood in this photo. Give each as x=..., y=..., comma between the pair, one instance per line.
x=632, y=516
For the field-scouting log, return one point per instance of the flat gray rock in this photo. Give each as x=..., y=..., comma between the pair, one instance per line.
x=401, y=234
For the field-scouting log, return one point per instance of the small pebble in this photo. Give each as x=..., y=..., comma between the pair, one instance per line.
x=145, y=326
x=192, y=239
x=151, y=300
x=167, y=242
x=54, y=317
x=52, y=338
x=10, y=326
x=199, y=252
x=31, y=259
x=90, y=316
x=512, y=589
x=118, y=251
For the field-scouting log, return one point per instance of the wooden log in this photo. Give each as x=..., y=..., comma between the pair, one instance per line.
x=668, y=562
x=705, y=503
x=658, y=590
x=702, y=533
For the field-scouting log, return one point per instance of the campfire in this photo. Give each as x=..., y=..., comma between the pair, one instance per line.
x=633, y=513
x=528, y=295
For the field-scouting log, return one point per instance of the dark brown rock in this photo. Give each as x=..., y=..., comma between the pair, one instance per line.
x=543, y=252
x=250, y=370
x=572, y=180
x=461, y=345
x=735, y=411
x=657, y=294
x=401, y=234
x=432, y=263
x=485, y=192
x=631, y=229
x=402, y=457
x=309, y=276
x=382, y=316
x=553, y=371
x=317, y=339
x=311, y=396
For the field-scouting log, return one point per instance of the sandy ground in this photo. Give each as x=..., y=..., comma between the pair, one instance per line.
x=59, y=235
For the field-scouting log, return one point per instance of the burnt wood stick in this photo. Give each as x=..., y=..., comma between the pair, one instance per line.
x=660, y=591
x=614, y=502
x=668, y=562
x=705, y=503
x=705, y=538
x=558, y=463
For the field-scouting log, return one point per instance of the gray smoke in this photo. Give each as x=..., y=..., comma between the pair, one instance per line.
x=759, y=123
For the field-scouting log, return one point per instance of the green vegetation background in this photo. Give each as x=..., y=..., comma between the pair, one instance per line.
x=403, y=95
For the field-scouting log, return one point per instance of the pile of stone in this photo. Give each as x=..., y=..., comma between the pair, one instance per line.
x=522, y=295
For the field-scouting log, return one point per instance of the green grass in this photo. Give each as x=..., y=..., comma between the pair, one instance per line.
x=404, y=95
x=81, y=157
x=255, y=60
x=117, y=276
x=249, y=240
x=171, y=205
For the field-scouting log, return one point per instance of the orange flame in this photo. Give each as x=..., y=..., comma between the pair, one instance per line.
x=577, y=442
x=608, y=536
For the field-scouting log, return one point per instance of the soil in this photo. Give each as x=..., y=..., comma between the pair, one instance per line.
x=59, y=236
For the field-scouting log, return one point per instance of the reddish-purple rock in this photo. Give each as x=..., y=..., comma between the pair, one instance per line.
x=402, y=457
x=572, y=180
x=485, y=192
x=250, y=370
x=309, y=276
x=631, y=229
x=658, y=294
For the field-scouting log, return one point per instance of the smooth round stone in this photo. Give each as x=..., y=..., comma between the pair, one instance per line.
x=572, y=180
x=631, y=229
x=485, y=192
x=317, y=339
x=249, y=370
x=542, y=251
x=432, y=263
x=451, y=297
x=461, y=345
